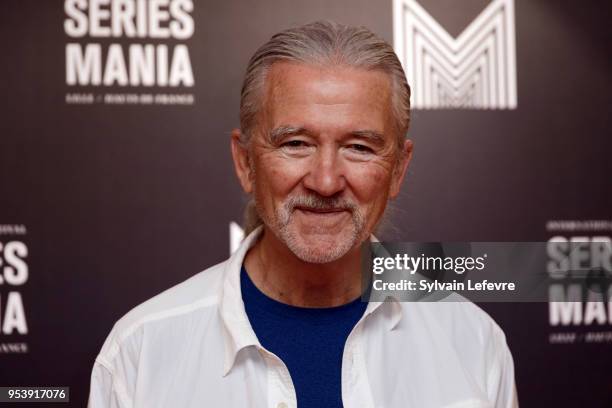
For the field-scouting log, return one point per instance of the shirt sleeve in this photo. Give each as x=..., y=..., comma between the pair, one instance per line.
x=105, y=391
x=115, y=371
x=501, y=387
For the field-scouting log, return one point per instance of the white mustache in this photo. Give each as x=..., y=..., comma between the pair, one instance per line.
x=319, y=203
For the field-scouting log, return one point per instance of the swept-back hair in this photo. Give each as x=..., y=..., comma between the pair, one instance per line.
x=323, y=43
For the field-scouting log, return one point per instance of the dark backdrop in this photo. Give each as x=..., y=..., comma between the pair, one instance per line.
x=116, y=202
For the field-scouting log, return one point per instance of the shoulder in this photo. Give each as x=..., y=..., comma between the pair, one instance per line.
x=200, y=292
x=466, y=337
x=148, y=330
x=460, y=328
x=482, y=346
x=459, y=317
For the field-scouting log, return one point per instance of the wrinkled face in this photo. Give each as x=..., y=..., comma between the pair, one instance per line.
x=324, y=157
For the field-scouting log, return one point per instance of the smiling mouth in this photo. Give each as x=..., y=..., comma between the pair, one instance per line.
x=322, y=221
x=321, y=217
x=321, y=211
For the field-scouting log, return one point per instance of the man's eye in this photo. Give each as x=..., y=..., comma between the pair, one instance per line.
x=294, y=144
x=360, y=148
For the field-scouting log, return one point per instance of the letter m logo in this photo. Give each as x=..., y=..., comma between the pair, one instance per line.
x=476, y=70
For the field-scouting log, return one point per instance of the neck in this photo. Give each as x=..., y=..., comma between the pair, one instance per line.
x=282, y=276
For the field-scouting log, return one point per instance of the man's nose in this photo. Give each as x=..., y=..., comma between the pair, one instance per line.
x=326, y=175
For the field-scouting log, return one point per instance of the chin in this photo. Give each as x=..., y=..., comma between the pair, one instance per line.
x=320, y=247
x=317, y=255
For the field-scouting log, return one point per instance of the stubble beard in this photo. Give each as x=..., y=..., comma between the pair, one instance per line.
x=284, y=228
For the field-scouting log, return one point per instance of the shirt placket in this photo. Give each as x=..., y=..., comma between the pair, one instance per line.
x=281, y=392
x=356, y=392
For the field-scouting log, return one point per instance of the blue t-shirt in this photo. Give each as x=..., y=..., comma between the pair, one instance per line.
x=310, y=341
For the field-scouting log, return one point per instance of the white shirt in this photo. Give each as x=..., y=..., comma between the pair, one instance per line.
x=193, y=346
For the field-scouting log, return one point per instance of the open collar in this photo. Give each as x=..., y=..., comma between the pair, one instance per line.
x=237, y=330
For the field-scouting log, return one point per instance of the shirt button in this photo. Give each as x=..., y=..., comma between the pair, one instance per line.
x=281, y=405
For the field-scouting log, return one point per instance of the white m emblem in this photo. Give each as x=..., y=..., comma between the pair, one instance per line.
x=476, y=70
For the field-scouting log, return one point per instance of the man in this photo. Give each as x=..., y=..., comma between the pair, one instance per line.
x=324, y=113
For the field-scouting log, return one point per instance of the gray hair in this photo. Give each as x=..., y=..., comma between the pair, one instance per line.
x=323, y=43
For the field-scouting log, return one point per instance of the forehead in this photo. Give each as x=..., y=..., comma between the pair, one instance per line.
x=318, y=96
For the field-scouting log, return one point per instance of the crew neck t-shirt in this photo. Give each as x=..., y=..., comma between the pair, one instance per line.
x=310, y=341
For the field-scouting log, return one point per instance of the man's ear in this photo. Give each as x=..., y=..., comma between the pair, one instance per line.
x=240, y=154
x=400, y=169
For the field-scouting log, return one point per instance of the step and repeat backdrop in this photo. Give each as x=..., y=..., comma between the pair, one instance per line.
x=117, y=183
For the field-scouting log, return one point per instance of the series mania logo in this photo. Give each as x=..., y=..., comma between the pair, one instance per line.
x=476, y=70
x=128, y=43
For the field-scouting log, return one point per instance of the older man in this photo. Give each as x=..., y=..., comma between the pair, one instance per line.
x=324, y=113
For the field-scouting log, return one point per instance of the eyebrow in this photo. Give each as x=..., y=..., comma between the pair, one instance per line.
x=281, y=132
x=371, y=135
